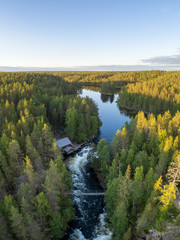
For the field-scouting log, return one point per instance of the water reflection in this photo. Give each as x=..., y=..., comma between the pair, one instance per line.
x=105, y=98
x=111, y=99
x=129, y=113
x=112, y=117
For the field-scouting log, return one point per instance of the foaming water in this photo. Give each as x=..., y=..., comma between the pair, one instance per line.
x=77, y=234
x=101, y=231
x=91, y=218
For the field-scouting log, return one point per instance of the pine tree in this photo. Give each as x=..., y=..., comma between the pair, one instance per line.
x=124, y=189
x=8, y=203
x=32, y=227
x=124, y=138
x=82, y=136
x=130, y=157
x=53, y=185
x=116, y=143
x=4, y=143
x=103, y=156
x=141, y=159
x=150, y=179
x=57, y=182
x=17, y=224
x=2, y=185
x=15, y=157
x=114, y=170
x=120, y=221
x=56, y=225
x=42, y=206
x=5, y=169
x=31, y=174
x=147, y=218
x=36, y=133
x=111, y=195
x=72, y=123
x=94, y=124
x=4, y=229
x=47, y=140
x=33, y=154
x=137, y=194
x=25, y=191
x=161, y=167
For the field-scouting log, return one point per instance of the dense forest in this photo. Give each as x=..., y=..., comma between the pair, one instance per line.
x=156, y=95
x=141, y=168
x=118, y=77
x=33, y=178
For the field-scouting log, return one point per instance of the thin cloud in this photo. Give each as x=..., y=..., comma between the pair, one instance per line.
x=163, y=60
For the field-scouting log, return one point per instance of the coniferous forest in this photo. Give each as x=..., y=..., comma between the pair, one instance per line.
x=33, y=177
x=140, y=167
x=156, y=95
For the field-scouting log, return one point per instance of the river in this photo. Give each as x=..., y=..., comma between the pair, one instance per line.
x=91, y=217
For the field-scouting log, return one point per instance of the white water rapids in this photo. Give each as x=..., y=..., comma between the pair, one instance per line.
x=91, y=220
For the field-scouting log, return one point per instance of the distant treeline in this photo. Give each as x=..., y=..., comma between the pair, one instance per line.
x=108, y=81
x=99, y=77
x=33, y=177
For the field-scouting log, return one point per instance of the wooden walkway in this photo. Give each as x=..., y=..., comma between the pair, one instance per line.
x=86, y=194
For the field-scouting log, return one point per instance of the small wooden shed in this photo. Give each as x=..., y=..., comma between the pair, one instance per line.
x=64, y=142
x=66, y=146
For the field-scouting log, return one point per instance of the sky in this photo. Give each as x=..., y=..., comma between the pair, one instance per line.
x=89, y=35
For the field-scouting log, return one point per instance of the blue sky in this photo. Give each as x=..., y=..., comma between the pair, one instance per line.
x=84, y=33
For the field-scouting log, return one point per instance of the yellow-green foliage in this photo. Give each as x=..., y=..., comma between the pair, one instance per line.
x=158, y=185
x=150, y=146
x=168, y=193
x=99, y=77
x=155, y=95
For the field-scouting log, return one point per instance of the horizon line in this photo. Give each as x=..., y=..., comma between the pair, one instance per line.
x=89, y=68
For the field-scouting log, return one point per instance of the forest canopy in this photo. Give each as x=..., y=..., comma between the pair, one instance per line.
x=155, y=95
x=33, y=177
x=141, y=167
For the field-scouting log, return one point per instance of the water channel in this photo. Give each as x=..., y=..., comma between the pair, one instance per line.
x=91, y=217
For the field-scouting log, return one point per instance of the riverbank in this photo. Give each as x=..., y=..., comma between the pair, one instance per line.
x=133, y=109
x=101, y=181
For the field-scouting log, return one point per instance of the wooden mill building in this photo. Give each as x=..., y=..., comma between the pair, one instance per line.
x=66, y=146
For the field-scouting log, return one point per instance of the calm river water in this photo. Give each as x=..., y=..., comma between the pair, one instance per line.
x=91, y=218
